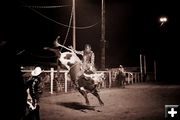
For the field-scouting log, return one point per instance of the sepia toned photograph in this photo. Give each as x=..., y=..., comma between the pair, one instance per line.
x=89, y=60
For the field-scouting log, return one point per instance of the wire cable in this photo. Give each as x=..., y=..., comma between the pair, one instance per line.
x=62, y=24
x=45, y=7
x=68, y=29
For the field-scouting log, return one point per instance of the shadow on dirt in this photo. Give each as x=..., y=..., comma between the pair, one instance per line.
x=76, y=106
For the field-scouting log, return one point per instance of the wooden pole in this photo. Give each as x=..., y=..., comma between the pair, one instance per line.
x=52, y=78
x=65, y=83
x=103, y=41
x=74, y=24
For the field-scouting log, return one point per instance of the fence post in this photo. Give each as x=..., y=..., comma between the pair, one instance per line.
x=141, y=68
x=52, y=78
x=65, y=82
x=133, y=78
x=110, y=79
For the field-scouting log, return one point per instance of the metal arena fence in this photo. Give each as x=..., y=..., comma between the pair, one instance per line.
x=56, y=83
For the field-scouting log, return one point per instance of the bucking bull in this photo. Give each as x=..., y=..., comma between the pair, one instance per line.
x=85, y=83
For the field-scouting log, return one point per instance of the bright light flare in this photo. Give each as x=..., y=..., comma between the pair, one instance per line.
x=163, y=20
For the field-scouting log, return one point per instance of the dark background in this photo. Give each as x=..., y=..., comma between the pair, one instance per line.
x=132, y=28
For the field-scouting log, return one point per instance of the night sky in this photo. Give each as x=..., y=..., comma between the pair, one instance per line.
x=132, y=28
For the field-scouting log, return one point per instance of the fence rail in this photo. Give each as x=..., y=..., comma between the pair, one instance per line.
x=64, y=84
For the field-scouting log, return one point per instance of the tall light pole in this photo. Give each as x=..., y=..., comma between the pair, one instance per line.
x=74, y=23
x=103, y=41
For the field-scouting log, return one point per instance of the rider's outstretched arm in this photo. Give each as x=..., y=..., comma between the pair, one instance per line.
x=79, y=52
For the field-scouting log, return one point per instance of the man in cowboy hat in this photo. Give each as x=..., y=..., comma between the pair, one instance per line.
x=34, y=90
x=33, y=83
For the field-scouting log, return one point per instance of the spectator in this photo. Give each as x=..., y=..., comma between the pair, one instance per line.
x=121, y=76
x=34, y=90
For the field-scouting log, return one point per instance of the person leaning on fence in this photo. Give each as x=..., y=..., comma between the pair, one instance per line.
x=121, y=76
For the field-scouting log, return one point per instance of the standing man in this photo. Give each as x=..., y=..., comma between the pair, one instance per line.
x=34, y=90
x=121, y=76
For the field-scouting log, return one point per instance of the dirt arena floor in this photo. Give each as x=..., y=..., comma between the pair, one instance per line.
x=135, y=102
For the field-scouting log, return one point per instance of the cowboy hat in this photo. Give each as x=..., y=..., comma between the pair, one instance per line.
x=36, y=71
